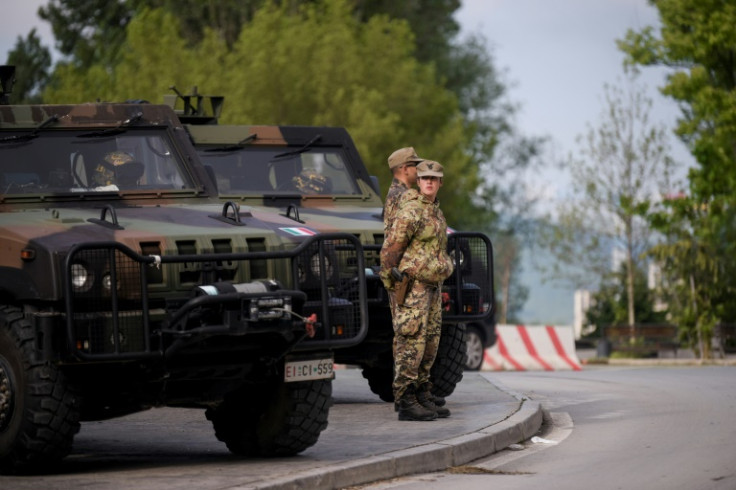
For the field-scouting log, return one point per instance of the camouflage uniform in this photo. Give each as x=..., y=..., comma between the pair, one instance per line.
x=396, y=194
x=416, y=243
x=391, y=206
x=398, y=159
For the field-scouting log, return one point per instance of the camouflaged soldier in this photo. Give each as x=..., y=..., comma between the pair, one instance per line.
x=117, y=169
x=403, y=164
x=416, y=244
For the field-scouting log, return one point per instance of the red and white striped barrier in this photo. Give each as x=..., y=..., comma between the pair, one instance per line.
x=532, y=348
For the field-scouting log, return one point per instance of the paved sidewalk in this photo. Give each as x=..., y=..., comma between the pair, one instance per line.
x=365, y=442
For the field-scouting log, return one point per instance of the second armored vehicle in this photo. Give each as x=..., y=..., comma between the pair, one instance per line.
x=314, y=176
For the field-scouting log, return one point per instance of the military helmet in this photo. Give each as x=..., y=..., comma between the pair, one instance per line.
x=310, y=182
x=110, y=168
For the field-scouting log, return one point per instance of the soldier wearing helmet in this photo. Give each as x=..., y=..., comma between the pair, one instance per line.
x=117, y=168
x=310, y=182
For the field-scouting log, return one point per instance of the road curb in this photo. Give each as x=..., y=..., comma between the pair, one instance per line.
x=520, y=425
x=670, y=362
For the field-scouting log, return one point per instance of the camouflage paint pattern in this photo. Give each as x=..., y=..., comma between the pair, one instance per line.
x=48, y=219
x=395, y=194
x=246, y=159
x=124, y=275
x=416, y=243
x=417, y=328
x=247, y=175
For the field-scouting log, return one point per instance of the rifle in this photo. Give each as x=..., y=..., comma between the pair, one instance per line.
x=403, y=285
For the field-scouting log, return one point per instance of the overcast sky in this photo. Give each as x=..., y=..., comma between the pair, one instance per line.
x=557, y=55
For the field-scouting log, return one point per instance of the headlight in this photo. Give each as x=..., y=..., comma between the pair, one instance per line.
x=81, y=278
x=107, y=282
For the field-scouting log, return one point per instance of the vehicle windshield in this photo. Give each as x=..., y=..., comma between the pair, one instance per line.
x=70, y=161
x=257, y=170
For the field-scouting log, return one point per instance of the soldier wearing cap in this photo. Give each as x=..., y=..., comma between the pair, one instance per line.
x=416, y=244
x=403, y=164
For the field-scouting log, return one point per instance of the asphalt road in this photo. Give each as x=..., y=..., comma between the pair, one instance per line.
x=607, y=427
x=666, y=428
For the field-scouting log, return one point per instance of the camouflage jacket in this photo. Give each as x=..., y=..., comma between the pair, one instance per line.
x=416, y=242
x=391, y=206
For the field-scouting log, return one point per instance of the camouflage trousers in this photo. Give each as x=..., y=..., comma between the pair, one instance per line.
x=417, y=327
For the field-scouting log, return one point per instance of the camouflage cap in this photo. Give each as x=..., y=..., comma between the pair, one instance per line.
x=428, y=168
x=402, y=156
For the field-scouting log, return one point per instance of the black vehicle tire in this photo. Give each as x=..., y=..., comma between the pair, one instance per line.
x=39, y=413
x=475, y=348
x=449, y=365
x=381, y=380
x=280, y=420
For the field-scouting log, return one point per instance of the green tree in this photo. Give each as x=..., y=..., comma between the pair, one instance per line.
x=393, y=73
x=317, y=67
x=697, y=41
x=697, y=281
x=88, y=32
x=506, y=264
x=624, y=167
x=505, y=194
x=31, y=60
x=92, y=36
x=610, y=304
x=92, y=32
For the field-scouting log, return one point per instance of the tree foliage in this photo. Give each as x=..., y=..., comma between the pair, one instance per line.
x=395, y=73
x=623, y=167
x=610, y=304
x=31, y=60
x=88, y=32
x=697, y=40
x=317, y=67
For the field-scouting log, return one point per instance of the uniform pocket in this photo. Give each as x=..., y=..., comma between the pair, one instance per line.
x=409, y=327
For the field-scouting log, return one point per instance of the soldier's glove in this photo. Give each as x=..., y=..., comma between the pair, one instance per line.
x=402, y=285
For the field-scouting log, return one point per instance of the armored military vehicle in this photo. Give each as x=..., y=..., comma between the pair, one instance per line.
x=315, y=177
x=126, y=284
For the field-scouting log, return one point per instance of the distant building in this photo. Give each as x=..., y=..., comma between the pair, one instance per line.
x=581, y=305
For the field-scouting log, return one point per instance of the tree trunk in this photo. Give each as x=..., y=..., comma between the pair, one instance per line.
x=630, y=276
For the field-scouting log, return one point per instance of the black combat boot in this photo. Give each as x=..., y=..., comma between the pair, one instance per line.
x=438, y=400
x=426, y=399
x=410, y=409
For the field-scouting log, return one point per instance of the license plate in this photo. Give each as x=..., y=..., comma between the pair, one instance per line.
x=308, y=369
